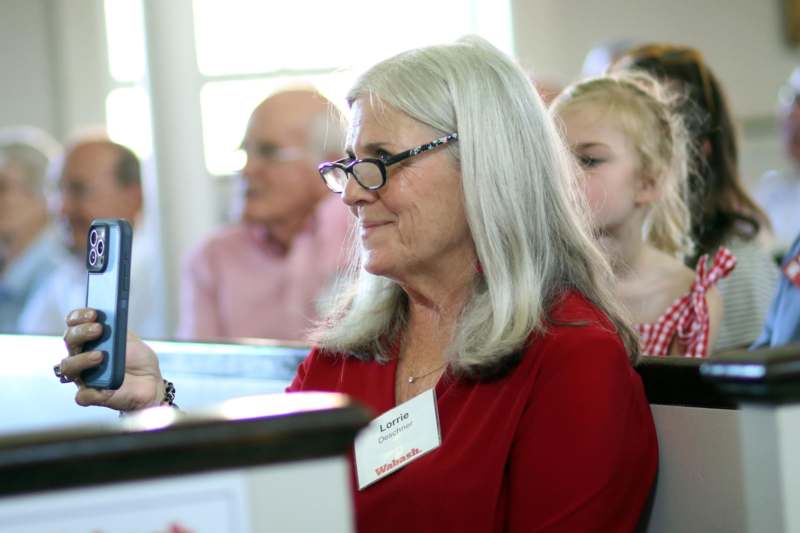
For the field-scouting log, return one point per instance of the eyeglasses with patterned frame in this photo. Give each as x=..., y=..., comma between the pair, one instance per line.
x=369, y=172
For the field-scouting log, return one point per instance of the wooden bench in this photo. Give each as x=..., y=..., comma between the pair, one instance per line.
x=263, y=463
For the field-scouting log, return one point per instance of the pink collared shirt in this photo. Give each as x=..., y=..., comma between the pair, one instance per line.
x=236, y=284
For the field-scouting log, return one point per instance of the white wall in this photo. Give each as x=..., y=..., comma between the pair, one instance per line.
x=26, y=90
x=742, y=40
x=79, y=64
x=53, y=60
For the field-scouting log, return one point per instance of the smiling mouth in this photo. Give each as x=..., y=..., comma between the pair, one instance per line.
x=371, y=225
x=367, y=229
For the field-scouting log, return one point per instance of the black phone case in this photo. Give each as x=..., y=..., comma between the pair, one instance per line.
x=108, y=293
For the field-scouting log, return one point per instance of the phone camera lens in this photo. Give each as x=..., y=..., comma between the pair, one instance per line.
x=93, y=237
x=92, y=257
x=100, y=247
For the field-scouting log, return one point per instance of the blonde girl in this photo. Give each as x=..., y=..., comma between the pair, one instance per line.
x=628, y=138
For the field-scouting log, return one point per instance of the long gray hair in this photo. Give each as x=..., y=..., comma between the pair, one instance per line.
x=527, y=220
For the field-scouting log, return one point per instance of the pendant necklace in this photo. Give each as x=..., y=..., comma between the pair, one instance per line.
x=412, y=379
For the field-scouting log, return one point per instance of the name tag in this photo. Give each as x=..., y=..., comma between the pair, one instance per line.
x=396, y=438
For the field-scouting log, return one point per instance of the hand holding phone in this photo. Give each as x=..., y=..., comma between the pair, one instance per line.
x=143, y=385
x=108, y=265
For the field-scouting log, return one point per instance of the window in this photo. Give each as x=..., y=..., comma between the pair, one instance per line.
x=127, y=103
x=247, y=49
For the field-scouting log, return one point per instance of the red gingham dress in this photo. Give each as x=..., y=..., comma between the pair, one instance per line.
x=687, y=317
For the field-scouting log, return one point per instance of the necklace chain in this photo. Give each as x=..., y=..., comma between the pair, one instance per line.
x=412, y=379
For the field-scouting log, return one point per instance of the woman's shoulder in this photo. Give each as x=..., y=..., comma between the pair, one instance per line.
x=573, y=306
x=576, y=325
x=657, y=284
x=685, y=287
x=580, y=340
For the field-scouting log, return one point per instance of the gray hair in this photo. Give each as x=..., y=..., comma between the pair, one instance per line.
x=528, y=221
x=32, y=150
x=326, y=133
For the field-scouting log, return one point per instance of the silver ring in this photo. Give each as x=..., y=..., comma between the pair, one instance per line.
x=60, y=375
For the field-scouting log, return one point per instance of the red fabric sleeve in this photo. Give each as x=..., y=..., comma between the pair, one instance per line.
x=585, y=455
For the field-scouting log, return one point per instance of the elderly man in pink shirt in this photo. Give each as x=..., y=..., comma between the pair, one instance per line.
x=264, y=276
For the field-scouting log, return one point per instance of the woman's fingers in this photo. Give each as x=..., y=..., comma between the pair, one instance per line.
x=71, y=367
x=76, y=336
x=80, y=316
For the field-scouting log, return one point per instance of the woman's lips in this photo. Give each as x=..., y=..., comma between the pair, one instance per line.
x=368, y=228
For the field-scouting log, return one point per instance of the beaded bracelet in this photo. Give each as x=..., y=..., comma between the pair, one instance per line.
x=169, y=397
x=169, y=394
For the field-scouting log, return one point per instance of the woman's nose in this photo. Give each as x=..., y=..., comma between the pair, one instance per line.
x=354, y=193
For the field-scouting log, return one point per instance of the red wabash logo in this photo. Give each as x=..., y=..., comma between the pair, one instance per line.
x=397, y=462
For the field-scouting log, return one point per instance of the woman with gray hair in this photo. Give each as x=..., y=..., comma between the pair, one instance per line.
x=477, y=318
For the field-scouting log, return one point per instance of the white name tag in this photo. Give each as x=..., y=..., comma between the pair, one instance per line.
x=396, y=438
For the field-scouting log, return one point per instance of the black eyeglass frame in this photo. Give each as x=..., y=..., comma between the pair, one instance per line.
x=382, y=164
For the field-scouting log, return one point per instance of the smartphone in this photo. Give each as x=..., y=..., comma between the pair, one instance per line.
x=108, y=266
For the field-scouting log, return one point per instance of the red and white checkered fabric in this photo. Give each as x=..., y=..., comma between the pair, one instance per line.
x=687, y=318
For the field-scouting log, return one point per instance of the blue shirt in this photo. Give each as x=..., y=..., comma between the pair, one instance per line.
x=783, y=321
x=24, y=275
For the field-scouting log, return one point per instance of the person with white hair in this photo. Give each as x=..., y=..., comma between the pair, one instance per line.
x=478, y=302
x=29, y=247
x=263, y=276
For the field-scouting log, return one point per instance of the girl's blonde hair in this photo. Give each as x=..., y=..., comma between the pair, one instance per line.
x=648, y=114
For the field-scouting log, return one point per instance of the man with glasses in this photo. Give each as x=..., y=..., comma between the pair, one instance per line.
x=264, y=276
x=98, y=178
x=778, y=191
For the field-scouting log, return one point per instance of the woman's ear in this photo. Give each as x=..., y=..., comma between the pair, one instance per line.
x=648, y=189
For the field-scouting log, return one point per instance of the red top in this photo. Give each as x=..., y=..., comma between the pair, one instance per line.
x=563, y=443
x=687, y=318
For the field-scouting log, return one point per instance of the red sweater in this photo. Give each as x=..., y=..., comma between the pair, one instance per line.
x=563, y=443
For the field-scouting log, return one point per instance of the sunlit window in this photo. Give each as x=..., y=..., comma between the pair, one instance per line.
x=125, y=36
x=247, y=49
x=128, y=119
x=245, y=37
x=127, y=104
